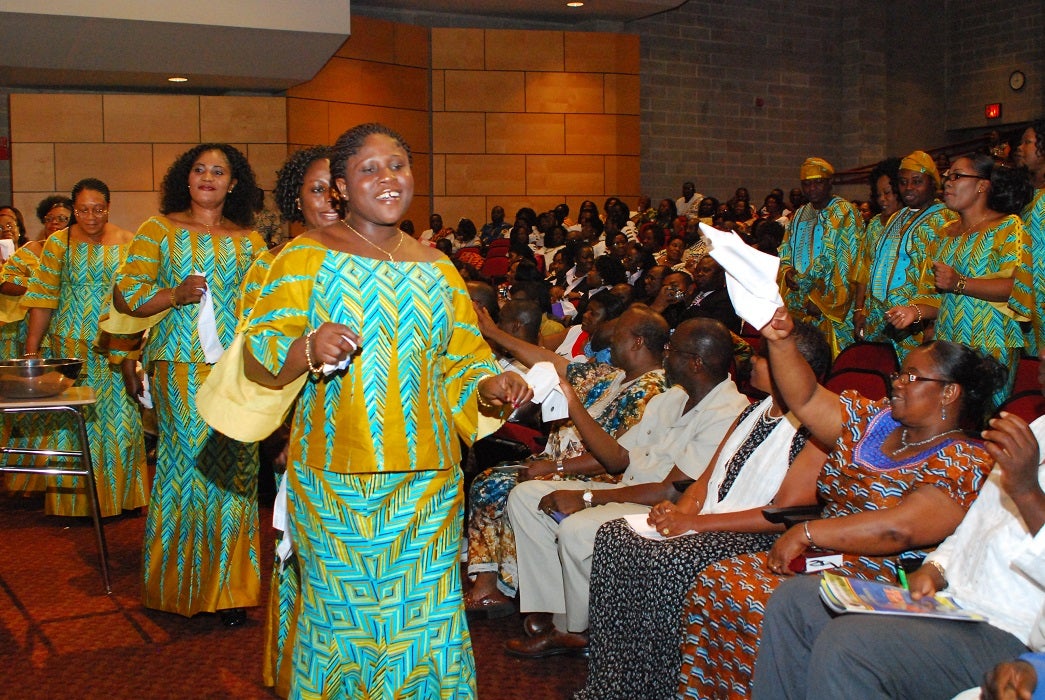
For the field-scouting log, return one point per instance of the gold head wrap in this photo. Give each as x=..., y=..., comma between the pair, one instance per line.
x=815, y=169
x=920, y=162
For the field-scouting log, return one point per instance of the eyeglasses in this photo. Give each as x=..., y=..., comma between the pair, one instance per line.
x=57, y=219
x=97, y=211
x=668, y=347
x=954, y=177
x=905, y=378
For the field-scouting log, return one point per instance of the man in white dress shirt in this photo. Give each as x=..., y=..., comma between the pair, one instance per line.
x=689, y=200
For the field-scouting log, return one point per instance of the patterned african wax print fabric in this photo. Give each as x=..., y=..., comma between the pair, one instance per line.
x=201, y=536
x=1029, y=283
x=724, y=609
x=993, y=328
x=23, y=432
x=252, y=284
x=823, y=248
x=75, y=282
x=891, y=265
x=373, y=484
x=284, y=607
x=638, y=585
x=616, y=406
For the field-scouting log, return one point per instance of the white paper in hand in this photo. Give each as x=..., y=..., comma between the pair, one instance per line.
x=751, y=276
x=544, y=381
x=207, y=327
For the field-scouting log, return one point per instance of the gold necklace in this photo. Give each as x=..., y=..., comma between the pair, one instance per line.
x=375, y=245
x=207, y=226
x=985, y=217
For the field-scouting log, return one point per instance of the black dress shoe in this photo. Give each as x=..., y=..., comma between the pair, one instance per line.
x=233, y=617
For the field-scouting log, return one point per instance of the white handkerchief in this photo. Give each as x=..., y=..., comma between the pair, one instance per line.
x=279, y=521
x=544, y=381
x=639, y=523
x=7, y=248
x=751, y=276
x=329, y=368
x=207, y=327
x=146, y=398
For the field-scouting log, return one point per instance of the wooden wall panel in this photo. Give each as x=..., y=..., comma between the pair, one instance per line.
x=46, y=118
x=457, y=49
x=525, y=133
x=564, y=174
x=568, y=93
x=151, y=118
x=478, y=91
x=517, y=49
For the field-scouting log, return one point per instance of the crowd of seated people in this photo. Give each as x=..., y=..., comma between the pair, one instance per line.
x=943, y=266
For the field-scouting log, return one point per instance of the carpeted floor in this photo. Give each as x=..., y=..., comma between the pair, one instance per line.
x=61, y=636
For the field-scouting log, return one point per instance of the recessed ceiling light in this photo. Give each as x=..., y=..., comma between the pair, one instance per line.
x=177, y=79
x=575, y=3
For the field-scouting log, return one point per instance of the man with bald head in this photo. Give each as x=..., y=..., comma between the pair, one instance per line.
x=555, y=522
x=818, y=256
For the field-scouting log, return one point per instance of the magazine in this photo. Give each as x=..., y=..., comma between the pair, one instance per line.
x=853, y=595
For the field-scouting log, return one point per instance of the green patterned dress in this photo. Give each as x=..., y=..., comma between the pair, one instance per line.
x=993, y=328
x=374, y=487
x=201, y=536
x=75, y=281
x=1030, y=282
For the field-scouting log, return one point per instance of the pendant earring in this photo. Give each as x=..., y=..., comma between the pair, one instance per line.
x=943, y=412
x=297, y=203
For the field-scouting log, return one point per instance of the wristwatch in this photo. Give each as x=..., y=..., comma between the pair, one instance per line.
x=560, y=468
x=586, y=497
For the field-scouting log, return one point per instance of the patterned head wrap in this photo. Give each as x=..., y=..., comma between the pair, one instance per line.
x=815, y=169
x=920, y=162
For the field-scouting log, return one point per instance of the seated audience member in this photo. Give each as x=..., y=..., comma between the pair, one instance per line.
x=695, y=243
x=653, y=237
x=555, y=523
x=899, y=480
x=637, y=261
x=618, y=246
x=647, y=287
x=676, y=289
x=552, y=332
x=690, y=199
x=644, y=211
x=773, y=209
x=574, y=280
x=561, y=212
x=993, y=564
x=466, y=244
x=553, y=242
x=607, y=272
x=638, y=584
x=602, y=307
x=623, y=291
x=666, y=215
x=496, y=228
x=710, y=298
x=706, y=210
x=614, y=395
x=435, y=230
x=672, y=254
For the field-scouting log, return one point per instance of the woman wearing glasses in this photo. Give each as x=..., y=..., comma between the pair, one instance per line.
x=899, y=480
x=54, y=213
x=201, y=536
x=967, y=280
x=68, y=292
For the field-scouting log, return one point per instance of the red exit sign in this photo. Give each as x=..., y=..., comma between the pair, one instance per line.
x=993, y=110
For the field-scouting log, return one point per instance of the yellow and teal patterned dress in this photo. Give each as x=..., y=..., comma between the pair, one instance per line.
x=201, y=536
x=823, y=248
x=992, y=328
x=1030, y=282
x=75, y=281
x=374, y=487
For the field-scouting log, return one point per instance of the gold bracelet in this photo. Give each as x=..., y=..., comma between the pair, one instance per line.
x=809, y=538
x=31, y=354
x=917, y=310
x=861, y=310
x=939, y=569
x=174, y=299
x=312, y=367
x=959, y=286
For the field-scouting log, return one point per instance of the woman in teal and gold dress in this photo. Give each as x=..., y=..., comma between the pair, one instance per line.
x=70, y=290
x=201, y=536
x=1031, y=283
x=967, y=285
x=374, y=484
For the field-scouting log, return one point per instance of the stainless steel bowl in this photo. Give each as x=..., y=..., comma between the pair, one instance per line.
x=37, y=378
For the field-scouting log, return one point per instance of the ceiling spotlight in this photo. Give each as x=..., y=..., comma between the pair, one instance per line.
x=177, y=79
x=575, y=3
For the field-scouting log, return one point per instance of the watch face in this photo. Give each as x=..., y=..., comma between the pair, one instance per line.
x=1017, y=80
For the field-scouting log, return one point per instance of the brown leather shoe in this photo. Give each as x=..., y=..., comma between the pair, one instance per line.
x=552, y=643
x=536, y=624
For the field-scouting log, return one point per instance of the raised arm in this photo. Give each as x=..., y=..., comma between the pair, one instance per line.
x=526, y=353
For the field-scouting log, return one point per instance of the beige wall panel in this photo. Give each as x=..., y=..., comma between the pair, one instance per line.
x=589, y=52
x=121, y=166
x=266, y=159
x=131, y=209
x=622, y=94
x=163, y=157
x=564, y=174
x=476, y=91
x=602, y=133
x=458, y=132
x=308, y=121
x=56, y=117
x=151, y=118
x=623, y=178
x=438, y=91
x=485, y=175
x=524, y=133
x=412, y=125
x=438, y=175
x=564, y=92
x=510, y=49
x=244, y=119
x=453, y=209
x=418, y=213
x=26, y=202
x=367, y=82
x=421, y=166
x=412, y=45
x=32, y=167
x=372, y=39
x=457, y=48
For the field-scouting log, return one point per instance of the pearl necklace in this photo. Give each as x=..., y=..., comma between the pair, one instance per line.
x=375, y=245
x=918, y=443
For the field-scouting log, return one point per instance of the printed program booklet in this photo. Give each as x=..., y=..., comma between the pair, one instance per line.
x=845, y=595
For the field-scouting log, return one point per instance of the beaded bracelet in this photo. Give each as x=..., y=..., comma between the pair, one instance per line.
x=174, y=300
x=312, y=367
x=809, y=538
x=917, y=310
